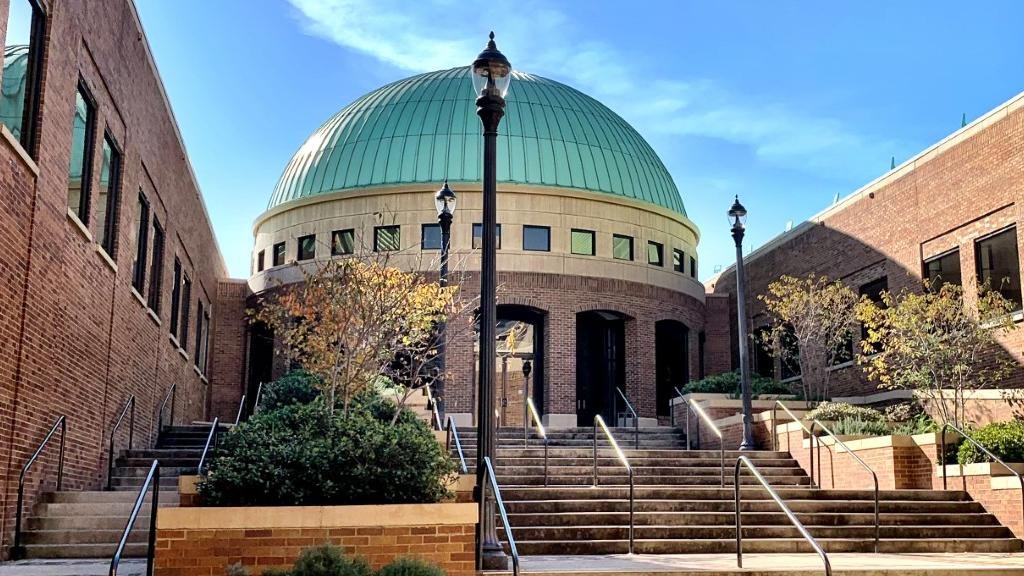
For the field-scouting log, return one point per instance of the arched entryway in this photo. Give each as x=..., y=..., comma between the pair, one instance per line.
x=520, y=343
x=671, y=360
x=600, y=364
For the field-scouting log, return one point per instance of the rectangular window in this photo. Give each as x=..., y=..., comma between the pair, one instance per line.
x=478, y=236
x=197, y=356
x=176, y=297
x=279, y=254
x=943, y=269
x=873, y=290
x=998, y=265
x=537, y=238
x=23, y=58
x=431, y=237
x=109, y=190
x=307, y=247
x=622, y=247
x=80, y=167
x=764, y=361
x=582, y=242
x=206, y=341
x=141, y=243
x=260, y=260
x=343, y=242
x=693, y=267
x=655, y=254
x=791, y=363
x=186, y=303
x=844, y=352
x=156, y=272
x=678, y=261
x=387, y=238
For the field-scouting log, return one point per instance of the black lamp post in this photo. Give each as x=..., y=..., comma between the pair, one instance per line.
x=444, y=201
x=491, y=74
x=738, y=219
x=527, y=368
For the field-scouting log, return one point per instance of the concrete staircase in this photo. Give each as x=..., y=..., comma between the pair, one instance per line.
x=88, y=524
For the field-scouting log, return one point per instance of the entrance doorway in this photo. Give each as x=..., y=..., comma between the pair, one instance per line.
x=520, y=344
x=600, y=364
x=671, y=359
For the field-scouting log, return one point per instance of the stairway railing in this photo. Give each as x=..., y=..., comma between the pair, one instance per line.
x=966, y=436
x=744, y=461
x=598, y=421
x=129, y=404
x=453, y=435
x=256, y=402
x=636, y=419
x=432, y=405
x=18, y=551
x=812, y=439
x=152, y=480
x=492, y=481
x=692, y=404
x=211, y=440
x=543, y=434
x=241, y=407
x=170, y=395
x=874, y=477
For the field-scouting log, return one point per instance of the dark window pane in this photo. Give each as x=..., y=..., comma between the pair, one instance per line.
x=19, y=97
x=790, y=366
x=655, y=255
x=582, y=242
x=279, y=254
x=387, y=238
x=196, y=356
x=343, y=242
x=176, y=297
x=873, y=290
x=109, y=184
x=678, y=260
x=307, y=247
x=764, y=362
x=844, y=352
x=999, y=266
x=186, y=304
x=431, y=237
x=80, y=167
x=156, y=272
x=943, y=269
x=537, y=238
x=622, y=247
x=478, y=235
x=693, y=267
x=141, y=243
x=260, y=261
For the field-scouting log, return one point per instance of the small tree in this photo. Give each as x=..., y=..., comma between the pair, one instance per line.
x=931, y=342
x=812, y=319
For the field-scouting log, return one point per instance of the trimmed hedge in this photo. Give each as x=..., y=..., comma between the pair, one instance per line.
x=1004, y=439
x=296, y=387
x=837, y=411
x=729, y=383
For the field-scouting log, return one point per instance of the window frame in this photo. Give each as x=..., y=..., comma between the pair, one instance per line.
x=661, y=253
x=156, y=271
x=29, y=136
x=186, y=311
x=938, y=258
x=339, y=234
x=176, y=297
x=693, y=266
x=629, y=239
x=545, y=229
x=593, y=241
x=110, y=224
x=261, y=260
x=141, y=244
x=88, y=152
x=377, y=230
x=679, y=266
x=477, y=240
x=197, y=354
x=423, y=236
x=274, y=252
x=298, y=248
x=1019, y=301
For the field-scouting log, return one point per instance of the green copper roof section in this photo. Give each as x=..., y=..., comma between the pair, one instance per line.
x=424, y=129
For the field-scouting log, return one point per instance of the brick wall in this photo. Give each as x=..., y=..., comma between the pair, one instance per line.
x=228, y=355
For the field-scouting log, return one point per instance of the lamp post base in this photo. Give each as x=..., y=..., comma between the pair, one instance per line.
x=494, y=558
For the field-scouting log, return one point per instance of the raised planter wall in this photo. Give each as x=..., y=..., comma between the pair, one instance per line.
x=727, y=413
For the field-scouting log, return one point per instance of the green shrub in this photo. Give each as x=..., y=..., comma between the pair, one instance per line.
x=854, y=426
x=328, y=560
x=729, y=383
x=836, y=411
x=1004, y=439
x=302, y=454
x=276, y=572
x=296, y=387
x=237, y=569
x=903, y=411
x=769, y=387
x=920, y=424
x=410, y=567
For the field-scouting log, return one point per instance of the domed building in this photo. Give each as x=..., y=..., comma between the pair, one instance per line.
x=597, y=260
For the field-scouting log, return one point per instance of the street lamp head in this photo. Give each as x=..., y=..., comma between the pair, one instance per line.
x=444, y=200
x=737, y=214
x=527, y=368
x=491, y=71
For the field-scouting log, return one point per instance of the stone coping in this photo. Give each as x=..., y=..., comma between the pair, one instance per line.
x=981, y=469
x=261, y=517
x=713, y=400
x=873, y=442
x=188, y=484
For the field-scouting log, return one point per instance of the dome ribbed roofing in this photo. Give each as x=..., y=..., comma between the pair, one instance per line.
x=424, y=129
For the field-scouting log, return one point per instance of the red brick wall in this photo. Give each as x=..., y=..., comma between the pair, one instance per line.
x=228, y=353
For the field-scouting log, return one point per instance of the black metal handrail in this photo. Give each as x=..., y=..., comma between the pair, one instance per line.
x=636, y=419
x=18, y=551
x=129, y=404
x=211, y=439
x=492, y=481
x=171, y=394
x=942, y=458
x=432, y=406
x=152, y=480
x=812, y=440
x=259, y=396
x=598, y=421
x=543, y=434
x=743, y=460
x=692, y=404
x=453, y=434
x=241, y=408
x=874, y=476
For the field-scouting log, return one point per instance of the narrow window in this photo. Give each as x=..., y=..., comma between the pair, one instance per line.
x=279, y=254
x=998, y=265
x=186, y=302
x=678, y=261
x=693, y=267
x=109, y=190
x=22, y=73
x=582, y=242
x=343, y=242
x=790, y=366
x=141, y=243
x=260, y=258
x=206, y=341
x=655, y=254
x=307, y=247
x=844, y=351
x=176, y=297
x=622, y=247
x=873, y=290
x=478, y=236
x=156, y=272
x=430, y=238
x=943, y=269
x=764, y=361
x=387, y=238
x=197, y=357
x=80, y=167
x=537, y=238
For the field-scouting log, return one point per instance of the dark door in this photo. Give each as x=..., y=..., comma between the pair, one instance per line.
x=671, y=358
x=600, y=365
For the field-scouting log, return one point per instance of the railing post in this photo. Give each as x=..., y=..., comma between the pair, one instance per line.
x=151, y=553
x=739, y=526
x=631, y=507
x=131, y=424
x=174, y=397
x=595, y=449
x=687, y=425
x=60, y=461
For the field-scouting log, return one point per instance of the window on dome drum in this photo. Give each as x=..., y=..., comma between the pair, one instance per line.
x=431, y=237
x=998, y=265
x=343, y=242
x=943, y=269
x=278, y=254
x=622, y=247
x=307, y=247
x=478, y=236
x=109, y=190
x=873, y=290
x=186, y=305
x=22, y=82
x=678, y=261
x=260, y=260
x=141, y=243
x=693, y=267
x=537, y=238
x=655, y=253
x=80, y=167
x=387, y=238
x=582, y=242
x=156, y=272
x=176, y=297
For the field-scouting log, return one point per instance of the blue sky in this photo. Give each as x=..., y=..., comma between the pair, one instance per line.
x=785, y=103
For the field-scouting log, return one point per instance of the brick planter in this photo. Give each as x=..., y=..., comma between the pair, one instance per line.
x=202, y=541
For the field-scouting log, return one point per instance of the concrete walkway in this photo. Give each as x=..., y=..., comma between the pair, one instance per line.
x=83, y=567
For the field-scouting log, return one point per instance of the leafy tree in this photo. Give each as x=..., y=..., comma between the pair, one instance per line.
x=933, y=342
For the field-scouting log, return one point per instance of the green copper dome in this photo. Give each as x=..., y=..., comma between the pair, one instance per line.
x=424, y=129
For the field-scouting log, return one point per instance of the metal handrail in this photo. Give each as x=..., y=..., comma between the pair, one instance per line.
x=210, y=438
x=874, y=476
x=812, y=439
x=493, y=482
x=152, y=479
x=671, y=412
x=453, y=433
x=543, y=434
x=636, y=419
x=241, y=407
x=171, y=394
x=259, y=396
x=707, y=420
x=743, y=460
x=433, y=409
x=625, y=462
x=942, y=458
x=131, y=437
x=18, y=551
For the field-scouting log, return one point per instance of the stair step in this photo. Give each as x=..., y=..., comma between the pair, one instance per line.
x=728, y=518
x=64, y=537
x=727, y=533
x=772, y=545
x=132, y=550
x=168, y=497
